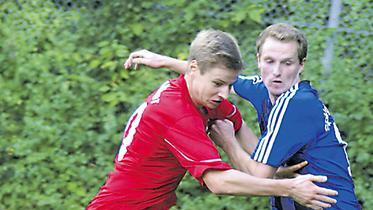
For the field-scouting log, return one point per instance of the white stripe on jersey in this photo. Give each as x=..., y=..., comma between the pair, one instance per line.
x=274, y=123
x=190, y=159
x=256, y=79
x=234, y=112
x=339, y=138
x=270, y=126
x=157, y=95
x=127, y=140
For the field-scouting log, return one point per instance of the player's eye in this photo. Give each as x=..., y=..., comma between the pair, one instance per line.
x=288, y=63
x=268, y=60
x=217, y=84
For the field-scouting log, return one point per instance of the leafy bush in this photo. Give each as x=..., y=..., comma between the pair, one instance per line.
x=65, y=97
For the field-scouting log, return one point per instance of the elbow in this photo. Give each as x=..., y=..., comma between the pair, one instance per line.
x=216, y=182
x=216, y=190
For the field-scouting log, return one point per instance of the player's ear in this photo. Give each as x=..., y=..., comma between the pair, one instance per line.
x=193, y=66
x=302, y=66
x=258, y=60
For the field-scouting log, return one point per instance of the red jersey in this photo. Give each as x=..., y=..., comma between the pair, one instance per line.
x=163, y=139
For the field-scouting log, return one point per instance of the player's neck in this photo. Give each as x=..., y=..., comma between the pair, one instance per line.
x=188, y=82
x=272, y=98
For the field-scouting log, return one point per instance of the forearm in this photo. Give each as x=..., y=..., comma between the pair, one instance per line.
x=247, y=138
x=239, y=158
x=301, y=189
x=243, y=162
x=174, y=64
x=233, y=182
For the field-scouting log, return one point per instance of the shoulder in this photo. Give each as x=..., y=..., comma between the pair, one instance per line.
x=255, y=79
x=302, y=101
x=307, y=96
x=304, y=98
x=171, y=102
x=251, y=88
x=252, y=80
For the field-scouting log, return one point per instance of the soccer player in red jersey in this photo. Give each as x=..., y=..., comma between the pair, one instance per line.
x=166, y=136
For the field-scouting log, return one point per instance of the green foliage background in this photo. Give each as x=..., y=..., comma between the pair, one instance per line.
x=65, y=96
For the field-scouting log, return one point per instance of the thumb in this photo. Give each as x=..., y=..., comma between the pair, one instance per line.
x=228, y=121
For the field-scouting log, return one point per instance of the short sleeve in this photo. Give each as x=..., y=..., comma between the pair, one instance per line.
x=251, y=88
x=226, y=110
x=188, y=141
x=293, y=123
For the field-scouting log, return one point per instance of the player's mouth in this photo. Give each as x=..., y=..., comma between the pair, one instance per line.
x=216, y=102
x=276, y=81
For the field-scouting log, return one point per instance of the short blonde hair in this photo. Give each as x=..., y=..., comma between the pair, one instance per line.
x=213, y=47
x=286, y=33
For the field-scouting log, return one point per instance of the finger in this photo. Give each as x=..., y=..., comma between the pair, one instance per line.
x=296, y=175
x=127, y=63
x=302, y=164
x=298, y=166
x=213, y=127
x=132, y=62
x=319, y=205
x=218, y=123
x=325, y=199
x=141, y=60
x=313, y=207
x=136, y=54
x=318, y=178
x=324, y=191
x=226, y=121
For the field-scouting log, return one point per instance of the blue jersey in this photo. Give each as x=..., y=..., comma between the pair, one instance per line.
x=298, y=127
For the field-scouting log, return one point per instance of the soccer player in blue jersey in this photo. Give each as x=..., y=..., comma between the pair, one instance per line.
x=295, y=125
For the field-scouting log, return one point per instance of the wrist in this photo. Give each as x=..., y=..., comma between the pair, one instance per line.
x=290, y=188
x=287, y=186
x=163, y=61
x=230, y=146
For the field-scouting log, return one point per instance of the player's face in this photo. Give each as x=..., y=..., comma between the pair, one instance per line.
x=212, y=87
x=279, y=66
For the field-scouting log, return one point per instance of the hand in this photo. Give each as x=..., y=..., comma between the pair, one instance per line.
x=306, y=193
x=145, y=57
x=289, y=171
x=222, y=133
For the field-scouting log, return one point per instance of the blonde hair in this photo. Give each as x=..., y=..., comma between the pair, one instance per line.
x=286, y=33
x=213, y=47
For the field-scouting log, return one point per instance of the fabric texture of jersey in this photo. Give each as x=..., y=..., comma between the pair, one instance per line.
x=298, y=127
x=226, y=110
x=164, y=138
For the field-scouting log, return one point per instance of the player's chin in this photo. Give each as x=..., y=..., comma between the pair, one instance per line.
x=277, y=91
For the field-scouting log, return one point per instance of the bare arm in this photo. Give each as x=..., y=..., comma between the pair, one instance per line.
x=155, y=60
x=302, y=189
x=247, y=139
x=223, y=135
x=238, y=148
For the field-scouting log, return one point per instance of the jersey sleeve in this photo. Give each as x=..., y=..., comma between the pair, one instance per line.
x=250, y=88
x=293, y=123
x=188, y=141
x=227, y=110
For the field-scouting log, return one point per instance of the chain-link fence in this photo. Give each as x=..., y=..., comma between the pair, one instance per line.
x=351, y=29
x=349, y=37
x=345, y=26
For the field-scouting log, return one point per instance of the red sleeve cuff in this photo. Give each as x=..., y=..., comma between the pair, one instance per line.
x=197, y=171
